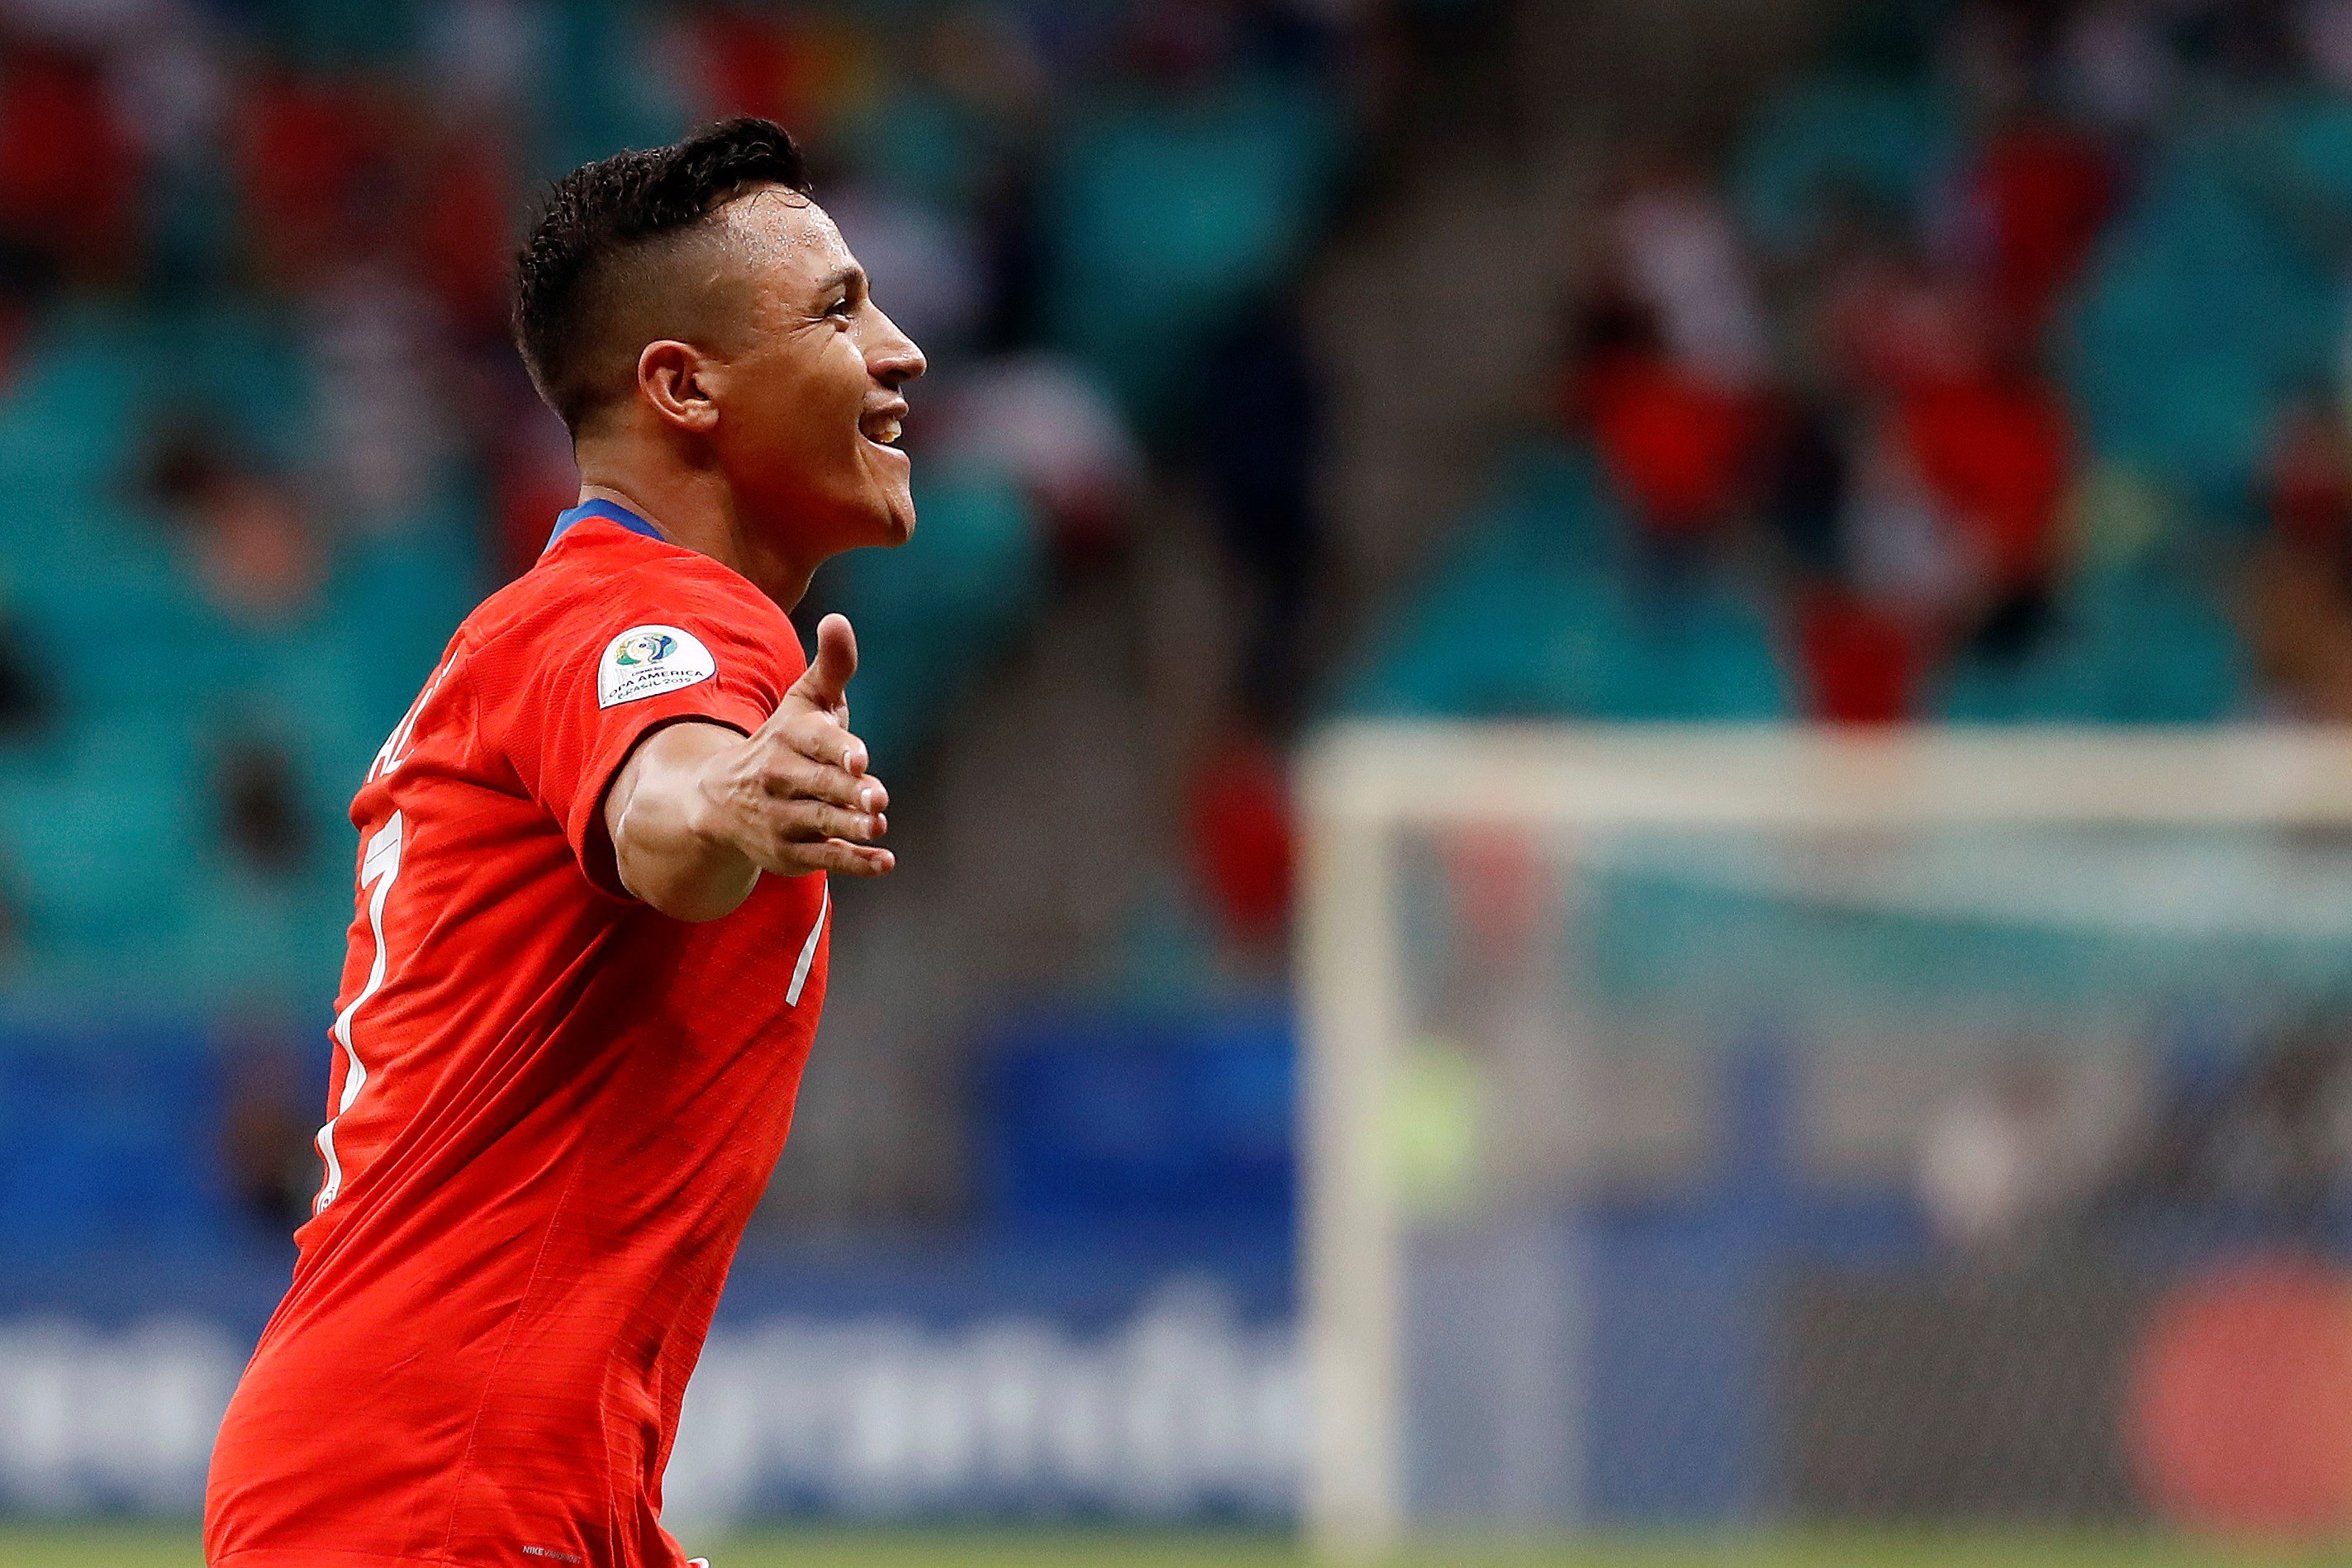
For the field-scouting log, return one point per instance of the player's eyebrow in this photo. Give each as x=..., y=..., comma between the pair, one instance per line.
x=850, y=275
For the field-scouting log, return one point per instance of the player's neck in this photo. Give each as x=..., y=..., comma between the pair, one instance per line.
x=697, y=512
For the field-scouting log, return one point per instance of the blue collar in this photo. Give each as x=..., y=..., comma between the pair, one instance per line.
x=611, y=512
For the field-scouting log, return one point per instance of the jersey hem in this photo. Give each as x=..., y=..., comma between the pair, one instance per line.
x=311, y=1557
x=307, y=1557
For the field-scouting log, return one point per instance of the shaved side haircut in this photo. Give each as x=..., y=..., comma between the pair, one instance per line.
x=629, y=250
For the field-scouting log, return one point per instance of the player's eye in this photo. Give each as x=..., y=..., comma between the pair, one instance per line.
x=842, y=307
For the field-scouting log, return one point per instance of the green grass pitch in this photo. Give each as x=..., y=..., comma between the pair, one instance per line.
x=99, y=1546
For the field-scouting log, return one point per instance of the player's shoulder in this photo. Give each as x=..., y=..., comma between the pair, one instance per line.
x=597, y=575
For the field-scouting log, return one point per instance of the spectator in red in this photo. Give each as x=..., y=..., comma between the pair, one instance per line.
x=1995, y=451
x=1237, y=814
x=68, y=168
x=1889, y=322
x=16, y=314
x=2309, y=481
x=795, y=70
x=1677, y=446
x=532, y=478
x=1858, y=661
x=462, y=229
x=314, y=163
x=1992, y=450
x=2041, y=191
x=1857, y=655
x=1673, y=370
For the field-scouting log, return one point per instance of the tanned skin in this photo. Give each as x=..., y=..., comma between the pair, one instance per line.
x=759, y=436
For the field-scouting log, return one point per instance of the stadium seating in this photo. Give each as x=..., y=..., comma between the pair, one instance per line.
x=931, y=613
x=2212, y=295
x=1166, y=206
x=1163, y=215
x=1568, y=622
x=1840, y=139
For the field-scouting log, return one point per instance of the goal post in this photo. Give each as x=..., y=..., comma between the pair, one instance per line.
x=1830, y=844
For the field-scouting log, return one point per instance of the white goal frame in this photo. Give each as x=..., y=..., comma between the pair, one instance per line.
x=1360, y=784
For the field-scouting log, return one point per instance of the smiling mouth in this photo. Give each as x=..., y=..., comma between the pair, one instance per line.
x=883, y=426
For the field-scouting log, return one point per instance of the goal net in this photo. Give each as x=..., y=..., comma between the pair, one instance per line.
x=1781, y=1130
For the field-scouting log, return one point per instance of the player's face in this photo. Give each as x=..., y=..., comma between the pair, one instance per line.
x=810, y=413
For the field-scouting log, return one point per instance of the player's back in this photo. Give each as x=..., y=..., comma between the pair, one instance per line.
x=552, y=1108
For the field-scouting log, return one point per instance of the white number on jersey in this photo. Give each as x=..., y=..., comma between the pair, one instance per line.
x=378, y=866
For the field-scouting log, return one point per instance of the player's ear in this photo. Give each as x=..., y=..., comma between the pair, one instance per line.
x=670, y=377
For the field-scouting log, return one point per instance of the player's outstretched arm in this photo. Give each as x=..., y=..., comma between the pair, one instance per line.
x=697, y=811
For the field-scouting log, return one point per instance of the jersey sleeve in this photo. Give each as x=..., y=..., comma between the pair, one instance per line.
x=663, y=644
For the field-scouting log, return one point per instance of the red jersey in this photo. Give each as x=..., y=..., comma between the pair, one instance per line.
x=552, y=1108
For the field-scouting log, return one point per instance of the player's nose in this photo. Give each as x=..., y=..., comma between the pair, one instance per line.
x=892, y=357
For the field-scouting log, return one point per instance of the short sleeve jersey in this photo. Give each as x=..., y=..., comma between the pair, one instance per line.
x=552, y=1108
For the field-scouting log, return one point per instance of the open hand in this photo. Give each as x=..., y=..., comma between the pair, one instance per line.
x=795, y=797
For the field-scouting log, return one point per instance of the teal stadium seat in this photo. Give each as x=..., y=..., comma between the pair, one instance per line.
x=2166, y=648
x=2137, y=644
x=399, y=597
x=1839, y=138
x=339, y=35
x=2205, y=305
x=70, y=413
x=97, y=835
x=932, y=615
x=104, y=589
x=109, y=841
x=922, y=145
x=2058, y=683
x=1540, y=613
x=1164, y=214
x=210, y=358
x=241, y=938
x=592, y=92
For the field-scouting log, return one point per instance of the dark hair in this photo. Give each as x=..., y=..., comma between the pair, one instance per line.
x=604, y=213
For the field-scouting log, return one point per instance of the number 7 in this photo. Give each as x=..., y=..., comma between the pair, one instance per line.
x=378, y=866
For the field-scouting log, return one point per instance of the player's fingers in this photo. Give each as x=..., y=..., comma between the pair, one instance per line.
x=821, y=739
x=808, y=821
x=787, y=775
x=836, y=855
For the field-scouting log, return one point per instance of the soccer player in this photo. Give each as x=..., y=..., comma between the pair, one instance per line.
x=590, y=945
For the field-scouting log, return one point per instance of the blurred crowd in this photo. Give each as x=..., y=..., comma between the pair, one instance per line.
x=2048, y=1146
x=254, y=272
x=1994, y=370
x=362, y=169
x=264, y=439
x=1992, y=367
